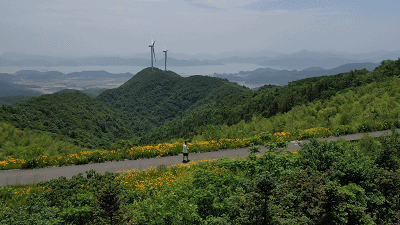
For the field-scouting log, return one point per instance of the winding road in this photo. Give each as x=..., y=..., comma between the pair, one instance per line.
x=31, y=176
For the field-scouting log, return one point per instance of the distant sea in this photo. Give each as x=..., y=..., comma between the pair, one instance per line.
x=183, y=71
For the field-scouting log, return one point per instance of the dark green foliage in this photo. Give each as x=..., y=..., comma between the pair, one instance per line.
x=5, y=193
x=91, y=92
x=152, y=98
x=389, y=154
x=75, y=117
x=223, y=197
x=109, y=202
x=96, y=199
x=11, y=100
x=389, y=185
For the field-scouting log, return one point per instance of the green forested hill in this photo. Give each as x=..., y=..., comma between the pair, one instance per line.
x=151, y=98
x=11, y=100
x=91, y=92
x=268, y=102
x=74, y=116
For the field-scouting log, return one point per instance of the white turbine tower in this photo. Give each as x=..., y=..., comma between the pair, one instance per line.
x=165, y=59
x=152, y=53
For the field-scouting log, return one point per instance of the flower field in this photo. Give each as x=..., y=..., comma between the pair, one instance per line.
x=141, y=181
x=169, y=149
x=138, y=152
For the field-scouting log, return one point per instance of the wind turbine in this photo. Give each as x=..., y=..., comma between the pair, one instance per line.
x=165, y=58
x=152, y=53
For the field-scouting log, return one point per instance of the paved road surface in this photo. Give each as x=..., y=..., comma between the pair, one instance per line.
x=12, y=177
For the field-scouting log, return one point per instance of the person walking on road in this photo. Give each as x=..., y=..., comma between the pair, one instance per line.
x=185, y=152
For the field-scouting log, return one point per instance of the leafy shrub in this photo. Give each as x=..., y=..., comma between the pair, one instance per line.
x=265, y=136
x=342, y=130
x=256, y=140
x=281, y=144
x=5, y=192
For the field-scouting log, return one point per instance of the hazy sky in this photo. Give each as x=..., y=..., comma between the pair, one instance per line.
x=101, y=27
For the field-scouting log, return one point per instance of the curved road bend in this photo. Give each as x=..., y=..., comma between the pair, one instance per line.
x=13, y=177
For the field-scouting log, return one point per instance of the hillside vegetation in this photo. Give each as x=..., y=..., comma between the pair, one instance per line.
x=147, y=100
x=91, y=92
x=28, y=144
x=270, y=101
x=11, y=100
x=323, y=183
x=75, y=117
x=152, y=98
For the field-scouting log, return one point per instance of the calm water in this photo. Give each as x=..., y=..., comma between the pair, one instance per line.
x=183, y=71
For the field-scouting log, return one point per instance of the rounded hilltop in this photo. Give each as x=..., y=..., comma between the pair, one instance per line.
x=159, y=96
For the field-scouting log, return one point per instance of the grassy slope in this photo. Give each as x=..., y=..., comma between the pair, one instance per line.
x=25, y=144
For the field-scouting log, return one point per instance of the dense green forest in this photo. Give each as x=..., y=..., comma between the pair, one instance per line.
x=91, y=92
x=152, y=98
x=270, y=101
x=323, y=183
x=74, y=117
x=11, y=100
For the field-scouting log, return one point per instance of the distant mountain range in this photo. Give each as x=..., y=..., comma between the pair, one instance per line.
x=299, y=61
x=263, y=76
x=258, y=77
x=32, y=60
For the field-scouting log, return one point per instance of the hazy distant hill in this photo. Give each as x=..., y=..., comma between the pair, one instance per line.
x=30, y=62
x=9, y=89
x=193, y=62
x=4, y=61
x=282, y=77
x=25, y=72
x=313, y=69
x=159, y=96
x=104, y=61
x=299, y=60
x=99, y=61
x=36, y=75
x=305, y=59
x=8, y=77
x=299, y=63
